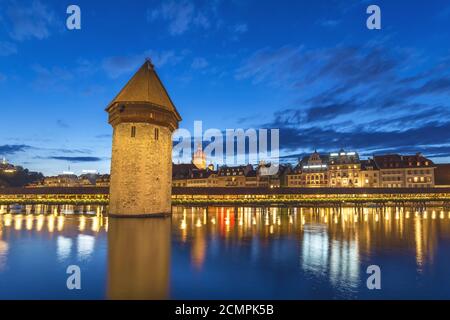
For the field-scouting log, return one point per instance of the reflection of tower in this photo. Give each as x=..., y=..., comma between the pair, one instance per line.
x=138, y=258
x=143, y=117
x=199, y=158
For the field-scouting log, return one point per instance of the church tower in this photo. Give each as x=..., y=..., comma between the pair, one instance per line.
x=199, y=158
x=143, y=118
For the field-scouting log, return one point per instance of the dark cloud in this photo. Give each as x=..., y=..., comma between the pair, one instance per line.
x=8, y=149
x=359, y=97
x=72, y=151
x=104, y=136
x=62, y=124
x=76, y=159
x=423, y=138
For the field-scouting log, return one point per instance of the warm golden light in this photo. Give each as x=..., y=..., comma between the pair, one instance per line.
x=40, y=222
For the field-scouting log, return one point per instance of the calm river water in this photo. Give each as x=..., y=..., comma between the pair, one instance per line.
x=225, y=253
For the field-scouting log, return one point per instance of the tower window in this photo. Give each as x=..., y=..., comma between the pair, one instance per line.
x=156, y=133
x=133, y=131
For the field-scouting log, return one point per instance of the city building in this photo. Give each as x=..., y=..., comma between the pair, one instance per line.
x=344, y=169
x=7, y=168
x=442, y=175
x=233, y=176
x=370, y=174
x=62, y=180
x=314, y=171
x=294, y=177
x=405, y=171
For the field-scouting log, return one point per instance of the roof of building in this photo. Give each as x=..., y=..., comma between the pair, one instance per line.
x=182, y=170
x=225, y=170
x=200, y=173
x=145, y=87
x=390, y=161
x=369, y=164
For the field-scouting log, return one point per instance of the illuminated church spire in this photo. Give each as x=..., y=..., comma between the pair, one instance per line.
x=199, y=158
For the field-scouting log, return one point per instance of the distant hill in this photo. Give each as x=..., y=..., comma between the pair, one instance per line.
x=20, y=178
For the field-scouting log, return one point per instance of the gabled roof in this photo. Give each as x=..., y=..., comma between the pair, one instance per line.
x=145, y=87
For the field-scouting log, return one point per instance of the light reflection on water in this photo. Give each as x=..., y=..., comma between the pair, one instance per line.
x=225, y=252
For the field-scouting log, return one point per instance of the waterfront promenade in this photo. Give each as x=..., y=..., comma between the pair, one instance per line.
x=241, y=196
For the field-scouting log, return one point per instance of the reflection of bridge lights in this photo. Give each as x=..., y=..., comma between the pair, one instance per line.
x=365, y=217
x=254, y=221
x=18, y=222
x=213, y=220
x=198, y=224
x=82, y=223
x=51, y=223
x=397, y=216
x=335, y=219
x=240, y=222
x=271, y=229
x=407, y=215
x=106, y=224
x=183, y=224
x=441, y=216
x=377, y=217
x=425, y=215
x=95, y=224
x=29, y=222
x=60, y=225
x=7, y=219
x=433, y=215
x=291, y=221
x=40, y=222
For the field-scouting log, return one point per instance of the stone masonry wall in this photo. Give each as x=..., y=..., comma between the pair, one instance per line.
x=141, y=170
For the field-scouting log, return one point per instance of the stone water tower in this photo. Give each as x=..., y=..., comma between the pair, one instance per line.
x=143, y=118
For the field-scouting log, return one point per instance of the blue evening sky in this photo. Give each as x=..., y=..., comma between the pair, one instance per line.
x=310, y=68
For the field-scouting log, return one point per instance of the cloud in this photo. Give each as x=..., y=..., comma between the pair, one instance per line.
x=7, y=49
x=75, y=159
x=9, y=149
x=72, y=151
x=118, y=65
x=182, y=16
x=52, y=78
x=30, y=19
x=104, y=136
x=240, y=28
x=330, y=23
x=199, y=63
x=359, y=97
x=62, y=124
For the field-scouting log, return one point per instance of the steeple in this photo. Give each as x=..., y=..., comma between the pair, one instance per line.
x=144, y=89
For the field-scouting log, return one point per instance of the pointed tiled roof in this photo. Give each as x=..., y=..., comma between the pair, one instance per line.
x=145, y=87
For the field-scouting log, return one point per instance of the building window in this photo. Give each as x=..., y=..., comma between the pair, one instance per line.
x=156, y=133
x=133, y=131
